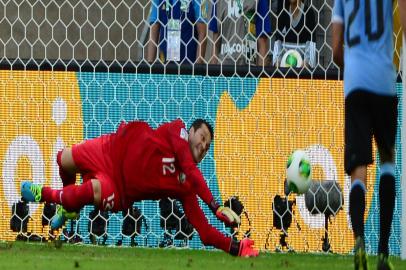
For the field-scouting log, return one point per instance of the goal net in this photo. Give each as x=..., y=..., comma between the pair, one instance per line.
x=73, y=70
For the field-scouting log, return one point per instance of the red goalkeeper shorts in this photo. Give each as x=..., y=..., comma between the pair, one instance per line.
x=92, y=159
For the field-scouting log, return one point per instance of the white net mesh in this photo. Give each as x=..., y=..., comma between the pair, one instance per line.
x=72, y=70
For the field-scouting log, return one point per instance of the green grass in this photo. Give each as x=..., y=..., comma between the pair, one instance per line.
x=45, y=256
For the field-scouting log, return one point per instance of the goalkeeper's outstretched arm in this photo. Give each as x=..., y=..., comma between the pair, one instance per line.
x=210, y=235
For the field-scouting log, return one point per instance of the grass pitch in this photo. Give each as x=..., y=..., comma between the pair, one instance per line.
x=46, y=256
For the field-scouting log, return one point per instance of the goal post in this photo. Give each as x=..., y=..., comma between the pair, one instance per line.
x=73, y=70
x=403, y=142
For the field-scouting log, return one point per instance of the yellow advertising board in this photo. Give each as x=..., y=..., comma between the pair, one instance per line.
x=40, y=113
x=253, y=145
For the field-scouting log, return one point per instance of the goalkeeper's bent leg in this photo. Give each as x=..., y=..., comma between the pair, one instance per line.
x=67, y=177
x=72, y=198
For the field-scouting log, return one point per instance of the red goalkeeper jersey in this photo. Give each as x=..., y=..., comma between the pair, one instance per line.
x=153, y=164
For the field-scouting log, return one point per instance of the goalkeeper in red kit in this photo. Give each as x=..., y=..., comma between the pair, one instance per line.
x=140, y=163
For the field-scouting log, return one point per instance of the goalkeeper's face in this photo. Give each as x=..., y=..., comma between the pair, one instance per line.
x=199, y=142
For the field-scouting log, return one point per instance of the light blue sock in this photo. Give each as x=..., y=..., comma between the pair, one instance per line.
x=358, y=182
x=387, y=168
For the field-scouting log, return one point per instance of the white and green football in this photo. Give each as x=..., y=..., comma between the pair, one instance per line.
x=298, y=172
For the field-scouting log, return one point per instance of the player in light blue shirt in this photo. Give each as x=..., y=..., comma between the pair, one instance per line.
x=362, y=31
x=368, y=53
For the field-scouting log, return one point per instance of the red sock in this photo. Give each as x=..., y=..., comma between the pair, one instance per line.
x=50, y=195
x=67, y=179
x=72, y=197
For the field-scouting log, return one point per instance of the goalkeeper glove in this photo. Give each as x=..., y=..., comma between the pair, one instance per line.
x=228, y=216
x=243, y=248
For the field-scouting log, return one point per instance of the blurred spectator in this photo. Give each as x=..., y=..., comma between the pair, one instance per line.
x=179, y=29
x=296, y=22
x=241, y=30
x=294, y=44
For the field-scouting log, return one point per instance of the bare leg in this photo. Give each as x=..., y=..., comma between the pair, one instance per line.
x=67, y=162
x=96, y=192
x=67, y=167
x=359, y=173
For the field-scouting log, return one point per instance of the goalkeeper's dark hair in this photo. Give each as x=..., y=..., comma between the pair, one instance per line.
x=199, y=122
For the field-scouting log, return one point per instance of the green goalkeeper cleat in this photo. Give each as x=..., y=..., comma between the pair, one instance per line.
x=61, y=216
x=360, y=256
x=384, y=263
x=31, y=192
